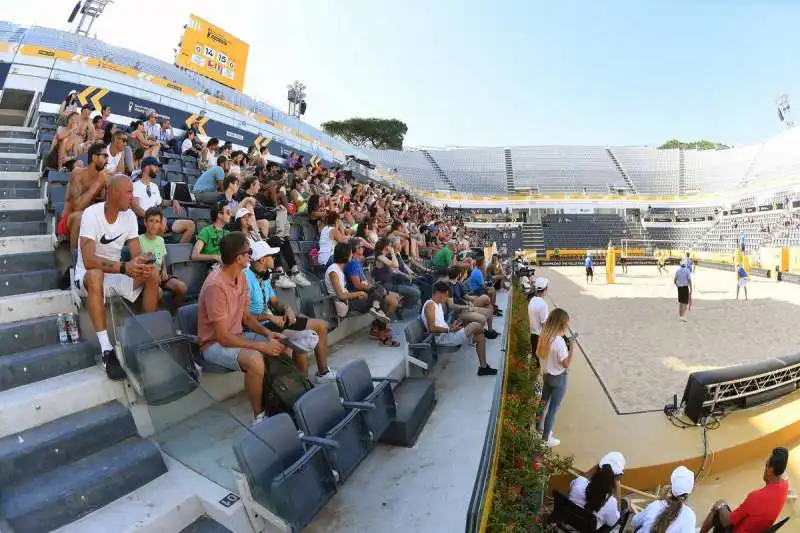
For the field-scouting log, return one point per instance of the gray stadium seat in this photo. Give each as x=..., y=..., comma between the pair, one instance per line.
x=187, y=323
x=160, y=360
x=356, y=384
x=317, y=304
x=320, y=413
x=287, y=474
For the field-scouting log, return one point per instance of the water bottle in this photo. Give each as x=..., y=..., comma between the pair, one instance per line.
x=63, y=337
x=72, y=328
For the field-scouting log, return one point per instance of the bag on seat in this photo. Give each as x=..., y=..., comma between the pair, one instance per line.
x=283, y=385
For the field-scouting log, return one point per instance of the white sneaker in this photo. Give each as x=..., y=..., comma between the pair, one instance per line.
x=683, y=318
x=329, y=376
x=552, y=442
x=300, y=279
x=258, y=418
x=284, y=282
x=378, y=313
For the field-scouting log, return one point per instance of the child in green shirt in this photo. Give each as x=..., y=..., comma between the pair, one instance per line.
x=153, y=243
x=207, y=246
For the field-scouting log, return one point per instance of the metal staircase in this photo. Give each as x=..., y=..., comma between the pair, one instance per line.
x=622, y=171
x=533, y=237
x=510, y=184
x=441, y=173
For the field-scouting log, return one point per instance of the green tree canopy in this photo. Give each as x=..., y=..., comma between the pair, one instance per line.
x=381, y=133
x=695, y=145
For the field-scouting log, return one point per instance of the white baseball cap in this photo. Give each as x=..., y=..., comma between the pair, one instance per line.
x=541, y=284
x=242, y=212
x=261, y=249
x=682, y=481
x=615, y=460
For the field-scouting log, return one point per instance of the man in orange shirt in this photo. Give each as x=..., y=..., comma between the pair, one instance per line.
x=222, y=311
x=761, y=507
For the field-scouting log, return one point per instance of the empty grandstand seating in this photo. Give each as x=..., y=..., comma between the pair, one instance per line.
x=582, y=232
x=571, y=169
x=480, y=170
x=652, y=171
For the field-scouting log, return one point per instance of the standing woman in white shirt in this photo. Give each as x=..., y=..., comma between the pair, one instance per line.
x=556, y=357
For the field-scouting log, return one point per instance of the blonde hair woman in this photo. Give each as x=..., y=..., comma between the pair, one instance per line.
x=555, y=352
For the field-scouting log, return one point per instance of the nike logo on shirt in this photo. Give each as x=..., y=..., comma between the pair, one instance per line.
x=106, y=240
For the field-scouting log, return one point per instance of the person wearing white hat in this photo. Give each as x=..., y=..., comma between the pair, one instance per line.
x=670, y=515
x=683, y=281
x=538, y=310
x=599, y=491
x=265, y=307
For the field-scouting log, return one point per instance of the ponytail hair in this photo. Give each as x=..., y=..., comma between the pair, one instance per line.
x=600, y=487
x=669, y=514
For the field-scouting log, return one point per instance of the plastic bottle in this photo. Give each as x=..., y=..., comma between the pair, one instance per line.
x=72, y=329
x=63, y=336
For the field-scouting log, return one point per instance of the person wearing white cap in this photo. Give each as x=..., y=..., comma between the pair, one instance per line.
x=538, y=310
x=265, y=307
x=670, y=515
x=599, y=491
x=683, y=281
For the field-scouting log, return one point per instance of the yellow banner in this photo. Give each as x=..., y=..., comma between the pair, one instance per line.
x=214, y=53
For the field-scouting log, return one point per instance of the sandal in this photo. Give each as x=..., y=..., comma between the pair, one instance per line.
x=389, y=342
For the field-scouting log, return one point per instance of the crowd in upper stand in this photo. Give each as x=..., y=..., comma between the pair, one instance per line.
x=377, y=250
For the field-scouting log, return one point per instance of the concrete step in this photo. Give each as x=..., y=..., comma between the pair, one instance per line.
x=17, y=132
x=68, y=493
x=23, y=216
x=16, y=140
x=13, y=263
x=31, y=305
x=18, y=229
x=19, y=193
x=58, y=443
x=204, y=524
x=27, y=176
x=35, y=202
x=32, y=405
x=8, y=146
x=26, y=244
x=17, y=156
x=29, y=282
x=28, y=335
x=38, y=364
x=19, y=184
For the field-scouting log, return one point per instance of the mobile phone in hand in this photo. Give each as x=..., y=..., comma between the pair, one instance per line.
x=574, y=335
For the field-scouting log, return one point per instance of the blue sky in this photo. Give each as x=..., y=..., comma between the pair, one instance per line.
x=499, y=73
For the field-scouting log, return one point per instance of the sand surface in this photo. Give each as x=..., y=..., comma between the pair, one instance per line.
x=643, y=353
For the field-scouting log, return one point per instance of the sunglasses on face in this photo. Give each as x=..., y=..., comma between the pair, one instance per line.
x=249, y=251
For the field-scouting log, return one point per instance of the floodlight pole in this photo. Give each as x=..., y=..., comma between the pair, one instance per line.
x=296, y=95
x=785, y=110
x=90, y=11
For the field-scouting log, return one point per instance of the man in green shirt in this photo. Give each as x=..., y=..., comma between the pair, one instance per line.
x=443, y=259
x=207, y=246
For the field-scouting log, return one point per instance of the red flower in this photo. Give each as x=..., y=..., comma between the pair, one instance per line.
x=519, y=463
x=511, y=428
x=537, y=467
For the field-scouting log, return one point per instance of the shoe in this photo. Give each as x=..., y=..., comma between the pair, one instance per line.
x=258, y=418
x=299, y=279
x=682, y=318
x=498, y=314
x=114, y=370
x=329, y=376
x=378, y=314
x=490, y=334
x=284, y=282
x=487, y=371
x=552, y=442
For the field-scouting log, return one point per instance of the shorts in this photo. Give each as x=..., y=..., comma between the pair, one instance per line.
x=228, y=357
x=683, y=295
x=718, y=525
x=300, y=324
x=742, y=282
x=589, y=271
x=452, y=338
x=477, y=292
x=115, y=285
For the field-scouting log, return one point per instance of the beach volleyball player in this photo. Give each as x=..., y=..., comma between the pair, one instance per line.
x=741, y=280
x=587, y=263
x=662, y=261
x=683, y=281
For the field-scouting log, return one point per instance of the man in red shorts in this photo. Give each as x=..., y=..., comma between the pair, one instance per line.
x=761, y=507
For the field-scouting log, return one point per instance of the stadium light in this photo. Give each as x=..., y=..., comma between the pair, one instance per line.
x=296, y=95
x=784, y=110
x=91, y=10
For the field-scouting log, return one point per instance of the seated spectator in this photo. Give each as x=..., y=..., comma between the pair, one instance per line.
x=105, y=117
x=207, y=247
x=208, y=155
x=222, y=316
x=86, y=186
x=66, y=143
x=230, y=188
x=266, y=308
x=147, y=195
x=670, y=515
x=237, y=159
x=599, y=491
x=152, y=245
x=356, y=280
x=206, y=187
x=140, y=139
x=760, y=508
x=190, y=144
x=85, y=129
x=331, y=234
x=359, y=301
x=495, y=273
x=105, y=228
x=476, y=284
x=391, y=271
x=116, y=152
x=165, y=135
x=98, y=131
x=456, y=334
x=445, y=257
x=467, y=311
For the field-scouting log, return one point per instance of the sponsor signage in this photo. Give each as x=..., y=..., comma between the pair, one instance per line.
x=736, y=211
x=749, y=210
x=765, y=208
x=212, y=52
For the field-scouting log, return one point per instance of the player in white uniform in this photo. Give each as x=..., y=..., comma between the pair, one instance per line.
x=105, y=228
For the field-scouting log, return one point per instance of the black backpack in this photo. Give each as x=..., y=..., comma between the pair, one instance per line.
x=283, y=385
